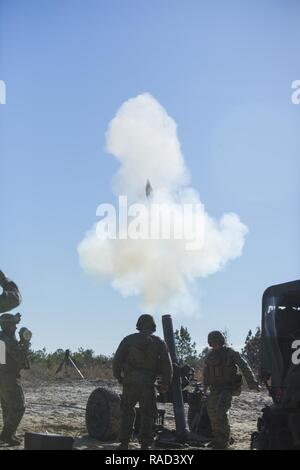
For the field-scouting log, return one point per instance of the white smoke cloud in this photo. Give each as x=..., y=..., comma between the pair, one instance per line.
x=161, y=272
x=144, y=139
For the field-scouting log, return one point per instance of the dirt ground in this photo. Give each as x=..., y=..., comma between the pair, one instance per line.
x=58, y=407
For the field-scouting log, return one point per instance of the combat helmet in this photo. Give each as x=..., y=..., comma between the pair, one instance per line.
x=9, y=318
x=146, y=322
x=216, y=337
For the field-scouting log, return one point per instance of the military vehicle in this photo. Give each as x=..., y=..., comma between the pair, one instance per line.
x=103, y=408
x=279, y=425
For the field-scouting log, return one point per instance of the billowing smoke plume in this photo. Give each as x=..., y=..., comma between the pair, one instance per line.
x=161, y=271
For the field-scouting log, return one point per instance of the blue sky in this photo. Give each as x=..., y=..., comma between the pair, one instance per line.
x=223, y=71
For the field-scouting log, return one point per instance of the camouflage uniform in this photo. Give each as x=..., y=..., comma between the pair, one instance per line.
x=10, y=297
x=221, y=376
x=11, y=393
x=139, y=359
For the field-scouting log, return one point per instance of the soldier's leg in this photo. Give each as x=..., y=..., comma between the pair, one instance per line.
x=129, y=399
x=13, y=406
x=3, y=405
x=222, y=427
x=211, y=406
x=148, y=409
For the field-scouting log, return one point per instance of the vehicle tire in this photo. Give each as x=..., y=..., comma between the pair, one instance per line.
x=103, y=414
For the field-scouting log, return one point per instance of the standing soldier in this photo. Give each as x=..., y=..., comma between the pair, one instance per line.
x=14, y=359
x=11, y=393
x=222, y=377
x=139, y=359
x=10, y=297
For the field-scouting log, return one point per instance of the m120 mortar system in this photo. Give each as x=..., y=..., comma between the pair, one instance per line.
x=103, y=412
x=279, y=425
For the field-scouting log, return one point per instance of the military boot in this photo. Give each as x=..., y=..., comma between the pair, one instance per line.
x=145, y=446
x=123, y=446
x=219, y=446
x=11, y=440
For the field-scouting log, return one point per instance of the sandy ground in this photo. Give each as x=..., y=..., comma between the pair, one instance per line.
x=58, y=407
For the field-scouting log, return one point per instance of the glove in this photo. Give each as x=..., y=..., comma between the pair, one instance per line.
x=24, y=333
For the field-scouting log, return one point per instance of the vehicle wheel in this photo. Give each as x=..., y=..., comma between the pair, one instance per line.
x=103, y=414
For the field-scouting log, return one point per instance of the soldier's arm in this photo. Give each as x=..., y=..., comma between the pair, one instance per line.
x=245, y=369
x=10, y=297
x=166, y=365
x=119, y=359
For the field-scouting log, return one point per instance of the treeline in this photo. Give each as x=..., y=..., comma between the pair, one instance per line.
x=100, y=366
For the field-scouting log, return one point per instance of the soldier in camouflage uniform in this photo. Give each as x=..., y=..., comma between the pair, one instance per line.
x=222, y=377
x=139, y=359
x=11, y=393
x=10, y=297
